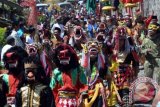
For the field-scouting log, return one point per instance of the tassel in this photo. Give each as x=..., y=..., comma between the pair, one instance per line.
x=85, y=60
x=101, y=61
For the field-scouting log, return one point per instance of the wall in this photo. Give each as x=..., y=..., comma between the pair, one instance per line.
x=152, y=5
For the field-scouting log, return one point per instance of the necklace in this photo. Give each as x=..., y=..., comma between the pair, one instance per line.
x=94, y=76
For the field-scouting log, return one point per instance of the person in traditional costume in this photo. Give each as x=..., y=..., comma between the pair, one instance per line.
x=33, y=91
x=14, y=61
x=68, y=80
x=93, y=61
x=123, y=62
x=151, y=50
x=77, y=39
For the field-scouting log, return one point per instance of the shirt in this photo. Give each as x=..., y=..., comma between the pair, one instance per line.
x=29, y=39
x=18, y=41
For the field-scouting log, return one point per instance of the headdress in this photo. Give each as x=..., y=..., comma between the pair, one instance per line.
x=65, y=57
x=30, y=65
x=92, y=47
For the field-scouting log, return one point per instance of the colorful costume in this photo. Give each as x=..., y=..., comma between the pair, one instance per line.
x=34, y=91
x=151, y=51
x=94, y=64
x=44, y=53
x=122, y=62
x=13, y=60
x=68, y=80
x=77, y=39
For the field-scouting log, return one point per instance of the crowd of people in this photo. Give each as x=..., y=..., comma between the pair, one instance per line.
x=75, y=59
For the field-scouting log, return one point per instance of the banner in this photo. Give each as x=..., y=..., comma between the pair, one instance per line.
x=32, y=19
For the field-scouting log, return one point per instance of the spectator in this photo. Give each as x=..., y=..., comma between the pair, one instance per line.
x=30, y=37
x=10, y=42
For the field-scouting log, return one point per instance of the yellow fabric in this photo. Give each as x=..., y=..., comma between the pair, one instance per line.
x=108, y=8
x=89, y=104
x=114, y=66
x=131, y=5
x=66, y=95
x=112, y=100
x=121, y=23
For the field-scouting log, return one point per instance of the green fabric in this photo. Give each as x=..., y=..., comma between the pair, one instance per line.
x=93, y=72
x=6, y=79
x=150, y=44
x=57, y=77
x=78, y=73
x=153, y=56
x=91, y=5
x=74, y=75
x=142, y=37
x=82, y=76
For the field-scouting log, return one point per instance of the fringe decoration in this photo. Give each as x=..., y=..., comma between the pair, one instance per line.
x=101, y=61
x=85, y=62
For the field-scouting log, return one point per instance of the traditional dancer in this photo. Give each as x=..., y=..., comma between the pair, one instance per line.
x=34, y=91
x=94, y=64
x=13, y=60
x=68, y=81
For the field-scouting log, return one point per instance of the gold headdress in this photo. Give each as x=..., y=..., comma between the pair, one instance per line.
x=30, y=65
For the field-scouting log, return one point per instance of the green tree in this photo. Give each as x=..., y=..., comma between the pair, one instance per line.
x=2, y=34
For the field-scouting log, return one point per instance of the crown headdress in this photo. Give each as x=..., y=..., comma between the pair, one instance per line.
x=30, y=65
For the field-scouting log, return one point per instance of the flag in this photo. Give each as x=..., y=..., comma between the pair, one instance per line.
x=32, y=19
x=91, y=5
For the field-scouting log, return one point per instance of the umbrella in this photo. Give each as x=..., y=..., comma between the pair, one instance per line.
x=131, y=5
x=103, y=0
x=108, y=8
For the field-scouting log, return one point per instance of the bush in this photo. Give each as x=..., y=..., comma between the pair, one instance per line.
x=2, y=35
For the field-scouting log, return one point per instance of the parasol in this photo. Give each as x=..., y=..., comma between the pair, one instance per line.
x=103, y=0
x=130, y=5
x=108, y=8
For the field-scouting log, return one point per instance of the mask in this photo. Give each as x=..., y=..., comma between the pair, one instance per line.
x=153, y=27
x=93, y=48
x=64, y=57
x=12, y=60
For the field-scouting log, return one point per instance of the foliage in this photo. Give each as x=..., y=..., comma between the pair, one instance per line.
x=2, y=35
x=41, y=18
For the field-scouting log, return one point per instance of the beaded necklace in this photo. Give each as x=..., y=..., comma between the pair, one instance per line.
x=94, y=76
